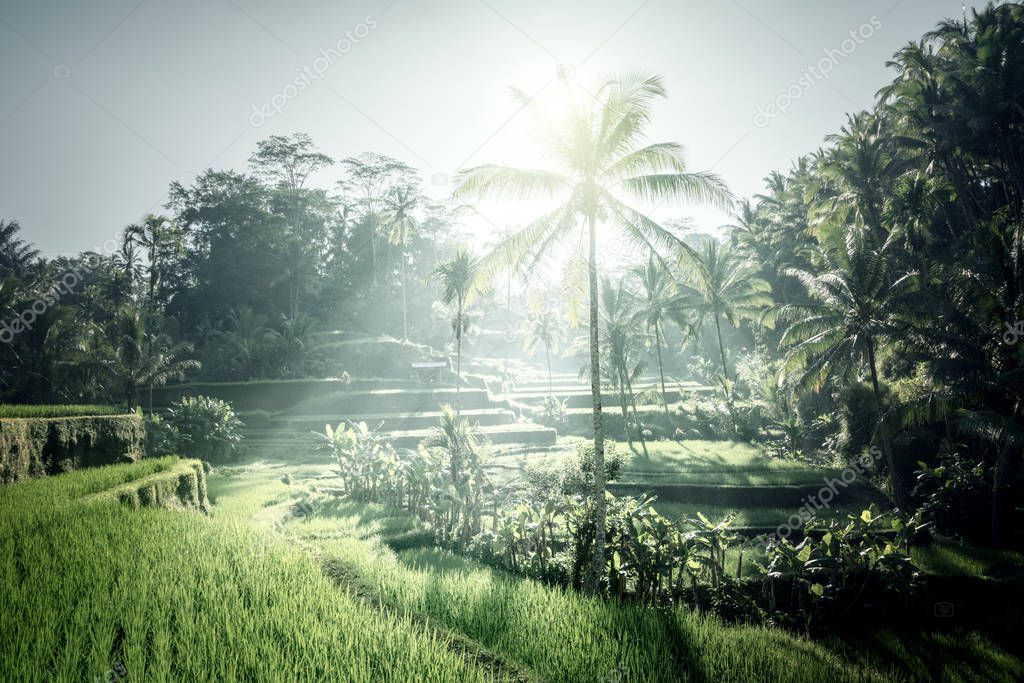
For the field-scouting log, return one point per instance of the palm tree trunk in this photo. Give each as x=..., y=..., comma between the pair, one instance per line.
x=458, y=363
x=547, y=357
x=405, y=302
x=593, y=584
x=624, y=407
x=895, y=489
x=661, y=367
x=721, y=347
x=636, y=415
x=1000, y=488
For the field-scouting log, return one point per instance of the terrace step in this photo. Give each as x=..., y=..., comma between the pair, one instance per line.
x=580, y=398
x=396, y=421
x=518, y=433
x=743, y=496
x=391, y=401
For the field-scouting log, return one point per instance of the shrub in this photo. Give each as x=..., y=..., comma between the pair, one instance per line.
x=204, y=427
x=956, y=495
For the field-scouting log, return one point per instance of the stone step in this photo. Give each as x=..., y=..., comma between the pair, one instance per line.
x=519, y=433
x=580, y=398
x=394, y=421
x=383, y=401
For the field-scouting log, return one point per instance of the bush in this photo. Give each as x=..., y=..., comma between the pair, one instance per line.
x=161, y=437
x=956, y=496
x=203, y=427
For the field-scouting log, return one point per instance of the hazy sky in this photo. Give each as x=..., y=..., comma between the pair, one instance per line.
x=107, y=101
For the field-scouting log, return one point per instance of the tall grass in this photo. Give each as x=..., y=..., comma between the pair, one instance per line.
x=559, y=634
x=8, y=410
x=179, y=596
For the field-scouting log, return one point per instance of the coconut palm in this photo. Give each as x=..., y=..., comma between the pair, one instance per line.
x=544, y=327
x=400, y=221
x=659, y=295
x=857, y=304
x=142, y=362
x=458, y=279
x=159, y=237
x=621, y=350
x=727, y=287
x=601, y=147
x=15, y=253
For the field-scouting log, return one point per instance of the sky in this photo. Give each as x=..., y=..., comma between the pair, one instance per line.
x=108, y=101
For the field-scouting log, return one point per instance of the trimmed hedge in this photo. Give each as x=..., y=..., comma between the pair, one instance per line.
x=35, y=447
x=183, y=486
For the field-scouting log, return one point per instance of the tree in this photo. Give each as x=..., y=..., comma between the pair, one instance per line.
x=399, y=217
x=160, y=238
x=600, y=143
x=857, y=304
x=659, y=295
x=544, y=327
x=16, y=255
x=458, y=278
x=369, y=178
x=727, y=287
x=140, y=362
x=620, y=349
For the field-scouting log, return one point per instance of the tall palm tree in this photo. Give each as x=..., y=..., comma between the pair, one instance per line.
x=458, y=278
x=658, y=296
x=601, y=147
x=857, y=304
x=399, y=207
x=545, y=327
x=727, y=287
x=621, y=350
x=159, y=237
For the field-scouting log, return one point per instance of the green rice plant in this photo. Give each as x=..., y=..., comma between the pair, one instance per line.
x=8, y=410
x=91, y=586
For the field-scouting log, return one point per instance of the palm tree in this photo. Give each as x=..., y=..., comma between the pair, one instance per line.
x=620, y=349
x=458, y=279
x=857, y=304
x=157, y=236
x=600, y=145
x=545, y=327
x=727, y=287
x=659, y=295
x=15, y=253
x=401, y=223
x=141, y=362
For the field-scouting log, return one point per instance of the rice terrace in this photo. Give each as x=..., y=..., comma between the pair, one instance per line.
x=491, y=341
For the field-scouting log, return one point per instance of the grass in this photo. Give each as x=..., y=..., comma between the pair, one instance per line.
x=558, y=634
x=8, y=410
x=88, y=584
x=949, y=558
